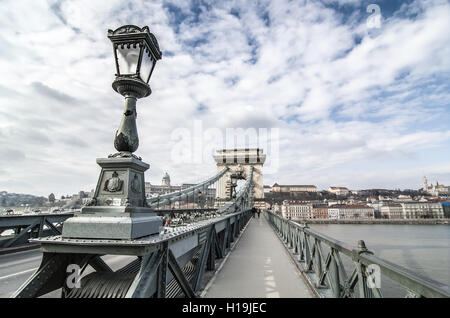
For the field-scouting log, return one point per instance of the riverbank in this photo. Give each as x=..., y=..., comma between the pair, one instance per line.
x=376, y=221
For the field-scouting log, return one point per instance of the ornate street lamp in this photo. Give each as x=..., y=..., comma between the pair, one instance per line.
x=136, y=51
x=118, y=209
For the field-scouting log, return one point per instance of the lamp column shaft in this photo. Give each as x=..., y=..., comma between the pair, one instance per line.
x=126, y=136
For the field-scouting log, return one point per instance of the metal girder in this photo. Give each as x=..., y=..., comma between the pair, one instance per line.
x=202, y=262
x=13, y=221
x=50, y=275
x=217, y=244
x=211, y=264
x=232, y=234
x=22, y=233
x=102, y=285
x=145, y=282
x=99, y=265
x=162, y=273
x=30, y=223
x=179, y=276
x=51, y=226
x=225, y=242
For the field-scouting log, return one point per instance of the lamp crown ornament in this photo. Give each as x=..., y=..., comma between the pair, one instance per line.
x=129, y=29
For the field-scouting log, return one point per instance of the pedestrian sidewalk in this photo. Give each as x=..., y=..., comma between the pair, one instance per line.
x=258, y=267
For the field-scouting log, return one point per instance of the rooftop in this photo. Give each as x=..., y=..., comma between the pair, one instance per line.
x=295, y=185
x=351, y=206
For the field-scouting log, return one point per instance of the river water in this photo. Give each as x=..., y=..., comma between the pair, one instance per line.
x=424, y=249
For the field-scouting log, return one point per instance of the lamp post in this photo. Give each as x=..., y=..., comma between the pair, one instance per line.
x=136, y=51
x=118, y=209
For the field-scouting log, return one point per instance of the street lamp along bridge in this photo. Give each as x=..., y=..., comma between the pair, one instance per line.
x=118, y=209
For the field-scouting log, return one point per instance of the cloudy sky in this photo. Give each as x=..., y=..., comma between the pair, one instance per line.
x=341, y=103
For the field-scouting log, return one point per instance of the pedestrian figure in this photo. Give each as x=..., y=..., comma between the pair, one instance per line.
x=253, y=211
x=259, y=212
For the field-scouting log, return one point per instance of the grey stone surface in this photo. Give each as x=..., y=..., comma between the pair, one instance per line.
x=111, y=227
x=259, y=267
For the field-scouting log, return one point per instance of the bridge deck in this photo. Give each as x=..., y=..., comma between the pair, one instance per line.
x=258, y=267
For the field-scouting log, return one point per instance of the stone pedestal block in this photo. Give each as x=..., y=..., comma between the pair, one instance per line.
x=118, y=209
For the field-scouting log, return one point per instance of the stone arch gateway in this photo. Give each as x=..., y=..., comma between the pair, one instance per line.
x=239, y=162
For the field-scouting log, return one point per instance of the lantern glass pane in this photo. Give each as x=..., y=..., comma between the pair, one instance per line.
x=146, y=66
x=128, y=59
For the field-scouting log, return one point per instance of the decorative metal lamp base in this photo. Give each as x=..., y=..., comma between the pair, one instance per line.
x=118, y=209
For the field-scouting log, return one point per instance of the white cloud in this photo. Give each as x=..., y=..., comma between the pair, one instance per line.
x=349, y=111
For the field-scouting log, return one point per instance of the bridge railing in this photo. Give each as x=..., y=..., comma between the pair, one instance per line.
x=327, y=275
x=26, y=226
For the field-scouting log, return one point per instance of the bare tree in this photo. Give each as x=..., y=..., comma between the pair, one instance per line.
x=51, y=198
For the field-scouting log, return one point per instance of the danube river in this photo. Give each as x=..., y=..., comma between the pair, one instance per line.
x=424, y=249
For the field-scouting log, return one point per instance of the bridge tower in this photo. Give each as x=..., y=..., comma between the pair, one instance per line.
x=238, y=162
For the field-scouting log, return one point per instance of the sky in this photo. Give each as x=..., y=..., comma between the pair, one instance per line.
x=334, y=95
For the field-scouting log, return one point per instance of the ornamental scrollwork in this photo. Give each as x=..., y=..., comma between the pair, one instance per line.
x=124, y=154
x=128, y=29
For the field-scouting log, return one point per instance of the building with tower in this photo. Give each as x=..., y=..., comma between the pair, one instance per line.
x=435, y=190
x=166, y=180
x=165, y=187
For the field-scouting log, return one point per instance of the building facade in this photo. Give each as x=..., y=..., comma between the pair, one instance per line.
x=297, y=210
x=320, y=211
x=293, y=188
x=333, y=213
x=422, y=210
x=391, y=211
x=354, y=211
x=339, y=191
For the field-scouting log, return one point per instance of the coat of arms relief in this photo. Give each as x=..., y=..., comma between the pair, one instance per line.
x=113, y=184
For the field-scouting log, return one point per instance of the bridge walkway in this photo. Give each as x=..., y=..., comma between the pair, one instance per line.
x=258, y=267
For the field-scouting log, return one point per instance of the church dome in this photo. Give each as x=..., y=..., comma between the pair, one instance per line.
x=166, y=180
